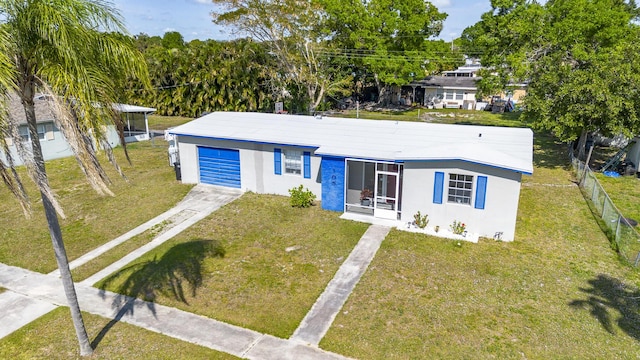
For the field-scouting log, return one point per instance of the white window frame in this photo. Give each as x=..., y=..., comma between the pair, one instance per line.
x=42, y=132
x=45, y=132
x=292, y=162
x=24, y=133
x=459, y=95
x=449, y=95
x=460, y=189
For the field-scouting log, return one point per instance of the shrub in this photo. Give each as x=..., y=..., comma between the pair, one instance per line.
x=457, y=227
x=301, y=197
x=420, y=220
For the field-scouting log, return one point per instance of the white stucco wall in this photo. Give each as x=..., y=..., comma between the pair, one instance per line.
x=501, y=204
x=468, y=95
x=502, y=192
x=256, y=166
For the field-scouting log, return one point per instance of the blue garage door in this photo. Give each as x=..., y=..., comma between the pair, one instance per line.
x=219, y=166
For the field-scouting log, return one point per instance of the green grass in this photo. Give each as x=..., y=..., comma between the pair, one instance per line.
x=91, y=219
x=86, y=270
x=52, y=337
x=624, y=192
x=447, y=116
x=248, y=278
x=160, y=122
x=555, y=292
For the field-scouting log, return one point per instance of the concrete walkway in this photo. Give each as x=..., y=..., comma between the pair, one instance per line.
x=30, y=295
x=169, y=321
x=201, y=201
x=19, y=309
x=317, y=322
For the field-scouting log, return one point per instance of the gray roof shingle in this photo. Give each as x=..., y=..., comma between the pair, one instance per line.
x=43, y=112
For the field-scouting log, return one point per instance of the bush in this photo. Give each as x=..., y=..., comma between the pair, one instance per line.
x=301, y=197
x=420, y=220
x=458, y=227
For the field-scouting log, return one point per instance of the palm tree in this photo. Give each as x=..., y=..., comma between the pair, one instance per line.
x=73, y=52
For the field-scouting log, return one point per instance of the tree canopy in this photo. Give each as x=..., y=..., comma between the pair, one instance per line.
x=172, y=40
x=390, y=39
x=577, y=56
x=292, y=32
x=54, y=47
x=322, y=45
x=204, y=76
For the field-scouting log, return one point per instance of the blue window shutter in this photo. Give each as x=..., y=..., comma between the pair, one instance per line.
x=306, y=159
x=438, y=187
x=481, y=192
x=277, y=161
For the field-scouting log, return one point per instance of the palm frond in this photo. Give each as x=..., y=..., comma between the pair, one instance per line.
x=75, y=52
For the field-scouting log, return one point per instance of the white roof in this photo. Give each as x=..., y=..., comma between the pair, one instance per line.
x=508, y=148
x=126, y=108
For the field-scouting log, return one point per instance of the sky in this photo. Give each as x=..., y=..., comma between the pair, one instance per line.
x=193, y=20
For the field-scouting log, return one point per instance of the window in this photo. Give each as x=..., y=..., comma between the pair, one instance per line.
x=293, y=162
x=41, y=131
x=459, y=96
x=448, y=95
x=24, y=133
x=45, y=132
x=460, y=187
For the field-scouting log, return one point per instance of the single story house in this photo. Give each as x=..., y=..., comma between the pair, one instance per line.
x=53, y=143
x=446, y=91
x=384, y=169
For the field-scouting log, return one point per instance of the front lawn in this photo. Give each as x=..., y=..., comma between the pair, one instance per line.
x=557, y=291
x=160, y=122
x=257, y=263
x=91, y=219
x=52, y=337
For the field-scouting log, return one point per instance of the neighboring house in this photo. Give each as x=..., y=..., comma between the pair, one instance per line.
x=385, y=169
x=457, y=89
x=446, y=91
x=53, y=143
x=136, y=122
x=468, y=70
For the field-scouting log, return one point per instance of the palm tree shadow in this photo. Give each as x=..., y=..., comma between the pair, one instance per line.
x=177, y=270
x=607, y=296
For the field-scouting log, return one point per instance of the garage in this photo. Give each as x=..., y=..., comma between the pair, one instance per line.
x=219, y=166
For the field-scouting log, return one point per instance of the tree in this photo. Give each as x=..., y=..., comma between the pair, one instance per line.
x=578, y=57
x=206, y=76
x=293, y=31
x=389, y=38
x=144, y=41
x=54, y=47
x=172, y=40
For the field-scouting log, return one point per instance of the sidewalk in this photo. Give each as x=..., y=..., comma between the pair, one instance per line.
x=169, y=321
x=19, y=309
x=30, y=295
x=317, y=322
